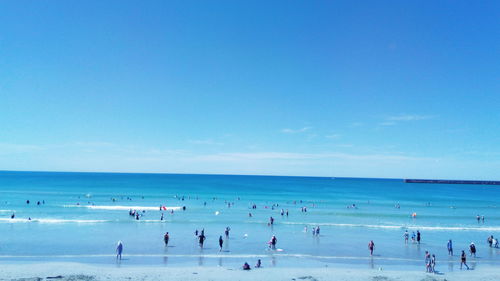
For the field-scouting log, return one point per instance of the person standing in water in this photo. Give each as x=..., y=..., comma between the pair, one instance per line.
x=463, y=260
x=433, y=263
x=201, y=239
x=273, y=242
x=472, y=249
x=450, y=247
x=427, y=262
x=418, y=237
x=227, y=231
x=371, y=246
x=166, y=237
x=221, y=242
x=406, y=235
x=119, y=250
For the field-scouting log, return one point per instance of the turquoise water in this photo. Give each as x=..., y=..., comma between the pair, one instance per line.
x=61, y=230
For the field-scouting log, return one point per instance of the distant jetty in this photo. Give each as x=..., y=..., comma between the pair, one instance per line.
x=452, y=181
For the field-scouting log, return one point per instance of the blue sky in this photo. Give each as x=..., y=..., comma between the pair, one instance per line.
x=320, y=88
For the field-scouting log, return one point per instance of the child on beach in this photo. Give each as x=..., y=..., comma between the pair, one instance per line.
x=246, y=266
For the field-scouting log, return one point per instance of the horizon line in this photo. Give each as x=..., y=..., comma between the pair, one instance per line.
x=222, y=174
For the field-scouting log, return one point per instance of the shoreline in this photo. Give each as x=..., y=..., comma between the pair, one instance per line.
x=66, y=271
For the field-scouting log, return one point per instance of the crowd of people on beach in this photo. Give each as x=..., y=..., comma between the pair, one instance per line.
x=416, y=236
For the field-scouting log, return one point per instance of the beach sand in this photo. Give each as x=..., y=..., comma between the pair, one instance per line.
x=86, y=272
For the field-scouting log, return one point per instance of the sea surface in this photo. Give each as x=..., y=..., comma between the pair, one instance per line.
x=81, y=216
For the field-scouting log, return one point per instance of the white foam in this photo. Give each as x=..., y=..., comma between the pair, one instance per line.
x=416, y=227
x=121, y=208
x=48, y=220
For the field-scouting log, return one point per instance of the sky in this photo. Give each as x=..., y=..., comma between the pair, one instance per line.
x=391, y=89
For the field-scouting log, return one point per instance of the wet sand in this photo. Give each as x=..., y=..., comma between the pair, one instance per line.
x=86, y=272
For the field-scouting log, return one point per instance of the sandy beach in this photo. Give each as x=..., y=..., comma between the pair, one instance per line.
x=85, y=272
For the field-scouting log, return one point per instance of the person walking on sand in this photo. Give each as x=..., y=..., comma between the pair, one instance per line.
x=221, y=242
x=166, y=237
x=450, y=247
x=371, y=246
x=119, y=250
x=463, y=260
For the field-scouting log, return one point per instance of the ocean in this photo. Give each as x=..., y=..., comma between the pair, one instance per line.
x=81, y=216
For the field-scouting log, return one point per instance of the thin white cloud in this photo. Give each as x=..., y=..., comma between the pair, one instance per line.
x=345, y=145
x=243, y=156
x=333, y=136
x=295, y=131
x=356, y=124
x=387, y=123
x=10, y=148
x=205, y=142
x=409, y=117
